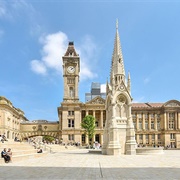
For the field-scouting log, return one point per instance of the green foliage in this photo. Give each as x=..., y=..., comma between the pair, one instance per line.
x=88, y=124
x=48, y=138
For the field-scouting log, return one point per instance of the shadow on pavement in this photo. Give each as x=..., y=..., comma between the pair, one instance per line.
x=19, y=172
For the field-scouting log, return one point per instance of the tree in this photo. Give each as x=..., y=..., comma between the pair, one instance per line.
x=88, y=124
x=48, y=138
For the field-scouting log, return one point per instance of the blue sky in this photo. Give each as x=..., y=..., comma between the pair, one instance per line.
x=34, y=35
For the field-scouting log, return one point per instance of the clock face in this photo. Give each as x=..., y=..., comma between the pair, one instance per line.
x=70, y=69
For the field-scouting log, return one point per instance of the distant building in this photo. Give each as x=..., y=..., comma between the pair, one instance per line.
x=95, y=91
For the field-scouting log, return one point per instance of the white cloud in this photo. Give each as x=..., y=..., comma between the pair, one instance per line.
x=54, y=47
x=87, y=50
x=38, y=67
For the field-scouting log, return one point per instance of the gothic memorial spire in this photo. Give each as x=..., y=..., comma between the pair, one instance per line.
x=117, y=65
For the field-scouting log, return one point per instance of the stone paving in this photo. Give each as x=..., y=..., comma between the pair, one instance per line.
x=79, y=164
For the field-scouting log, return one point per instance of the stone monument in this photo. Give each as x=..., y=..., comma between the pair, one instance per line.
x=119, y=134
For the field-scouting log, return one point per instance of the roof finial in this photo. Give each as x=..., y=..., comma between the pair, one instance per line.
x=116, y=23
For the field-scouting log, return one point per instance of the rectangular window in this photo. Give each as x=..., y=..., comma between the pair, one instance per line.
x=171, y=120
x=83, y=138
x=158, y=125
x=140, y=124
x=134, y=122
x=140, y=116
x=146, y=125
x=140, y=136
x=152, y=116
x=158, y=116
x=146, y=116
x=147, y=138
x=172, y=116
x=70, y=122
x=152, y=124
x=104, y=122
x=172, y=136
x=153, y=136
x=171, y=124
x=96, y=123
x=134, y=116
x=159, y=136
x=70, y=113
x=71, y=137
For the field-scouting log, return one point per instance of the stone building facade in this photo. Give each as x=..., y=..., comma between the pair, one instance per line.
x=10, y=119
x=157, y=123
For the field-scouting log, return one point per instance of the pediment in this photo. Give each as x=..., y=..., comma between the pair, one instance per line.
x=172, y=103
x=97, y=100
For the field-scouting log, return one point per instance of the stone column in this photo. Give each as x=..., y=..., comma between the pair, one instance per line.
x=178, y=120
x=165, y=121
x=137, y=123
x=156, y=139
x=101, y=120
x=137, y=139
x=149, y=121
x=143, y=121
x=101, y=140
x=144, y=139
x=93, y=139
x=155, y=122
x=94, y=113
x=87, y=142
x=80, y=120
x=87, y=112
x=150, y=139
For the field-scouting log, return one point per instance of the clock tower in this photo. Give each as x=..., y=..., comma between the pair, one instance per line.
x=71, y=69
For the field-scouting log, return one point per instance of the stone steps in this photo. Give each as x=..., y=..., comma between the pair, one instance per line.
x=23, y=157
x=21, y=151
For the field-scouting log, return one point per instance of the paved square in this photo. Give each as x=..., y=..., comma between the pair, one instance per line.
x=79, y=164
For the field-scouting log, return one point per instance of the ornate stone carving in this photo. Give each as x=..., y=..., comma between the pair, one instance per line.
x=172, y=104
x=121, y=107
x=97, y=101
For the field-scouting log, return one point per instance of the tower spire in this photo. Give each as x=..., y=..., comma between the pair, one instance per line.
x=117, y=64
